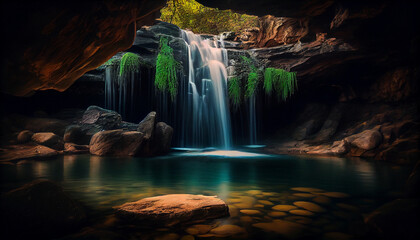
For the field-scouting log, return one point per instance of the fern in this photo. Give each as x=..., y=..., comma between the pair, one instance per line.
x=166, y=69
x=252, y=79
x=283, y=82
x=234, y=90
x=130, y=62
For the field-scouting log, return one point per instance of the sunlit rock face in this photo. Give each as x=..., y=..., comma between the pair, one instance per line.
x=55, y=43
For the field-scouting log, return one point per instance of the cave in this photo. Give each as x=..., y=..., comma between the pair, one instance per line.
x=210, y=119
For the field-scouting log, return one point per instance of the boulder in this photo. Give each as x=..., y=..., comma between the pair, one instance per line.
x=24, y=136
x=162, y=138
x=72, y=148
x=367, y=140
x=107, y=119
x=398, y=219
x=74, y=134
x=116, y=143
x=147, y=125
x=169, y=210
x=331, y=124
x=48, y=139
x=39, y=209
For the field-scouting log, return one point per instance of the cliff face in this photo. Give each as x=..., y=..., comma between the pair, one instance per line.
x=49, y=45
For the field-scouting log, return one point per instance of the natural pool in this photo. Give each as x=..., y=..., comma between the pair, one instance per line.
x=345, y=189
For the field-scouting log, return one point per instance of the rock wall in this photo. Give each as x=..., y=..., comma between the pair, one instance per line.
x=51, y=44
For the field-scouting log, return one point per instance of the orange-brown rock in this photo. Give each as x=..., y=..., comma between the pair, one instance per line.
x=274, y=31
x=49, y=45
x=173, y=209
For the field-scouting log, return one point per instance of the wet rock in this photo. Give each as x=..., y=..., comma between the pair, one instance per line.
x=72, y=148
x=163, y=138
x=322, y=200
x=227, y=230
x=287, y=229
x=306, y=189
x=304, y=195
x=335, y=194
x=367, y=140
x=265, y=202
x=398, y=219
x=173, y=209
x=331, y=124
x=74, y=134
x=284, y=208
x=42, y=209
x=27, y=152
x=300, y=212
x=116, y=143
x=250, y=212
x=309, y=206
x=147, y=125
x=107, y=119
x=48, y=139
x=24, y=136
x=277, y=214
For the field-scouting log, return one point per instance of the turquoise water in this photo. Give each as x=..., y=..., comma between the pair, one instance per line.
x=246, y=181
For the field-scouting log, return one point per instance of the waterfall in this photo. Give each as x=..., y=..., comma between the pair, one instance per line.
x=207, y=105
x=252, y=121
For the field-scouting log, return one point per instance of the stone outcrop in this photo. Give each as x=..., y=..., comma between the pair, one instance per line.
x=24, y=136
x=42, y=209
x=163, y=138
x=44, y=54
x=169, y=210
x=48, y=139
x=367, y=140
x=147, y=125
x=116, y=143
x=17, y=152
x=106, y=119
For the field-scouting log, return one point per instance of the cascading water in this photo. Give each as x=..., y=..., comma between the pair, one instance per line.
x=207, y=103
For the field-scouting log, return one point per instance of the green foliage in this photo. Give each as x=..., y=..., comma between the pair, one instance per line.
x=283, y=82
x=252, y=78
x=130, y=62
x=166, y=69
x=189, y=14
x=234, y=90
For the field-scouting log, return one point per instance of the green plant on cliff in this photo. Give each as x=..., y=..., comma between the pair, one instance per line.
x=166, y=69
x=130, y=62
x=252, y=78
x=282, y=81
x=234, y=90
x=189, y=14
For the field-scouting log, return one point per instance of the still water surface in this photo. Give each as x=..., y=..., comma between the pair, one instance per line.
x=246, y=181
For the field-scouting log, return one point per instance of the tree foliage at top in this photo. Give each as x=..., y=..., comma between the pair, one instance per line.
x=189, y=14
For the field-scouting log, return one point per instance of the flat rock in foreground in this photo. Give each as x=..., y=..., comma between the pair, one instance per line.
x=173, y=209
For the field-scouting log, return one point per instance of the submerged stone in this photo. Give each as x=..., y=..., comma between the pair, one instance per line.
x=172, y=209
x=284, y=208
x=250, y=212
x=310, y=206
x=227, y=230
x=301, y=212
x=277, y=214
x=306, y=189
x=322, y=200
x=336, y=194
x=285, y=228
